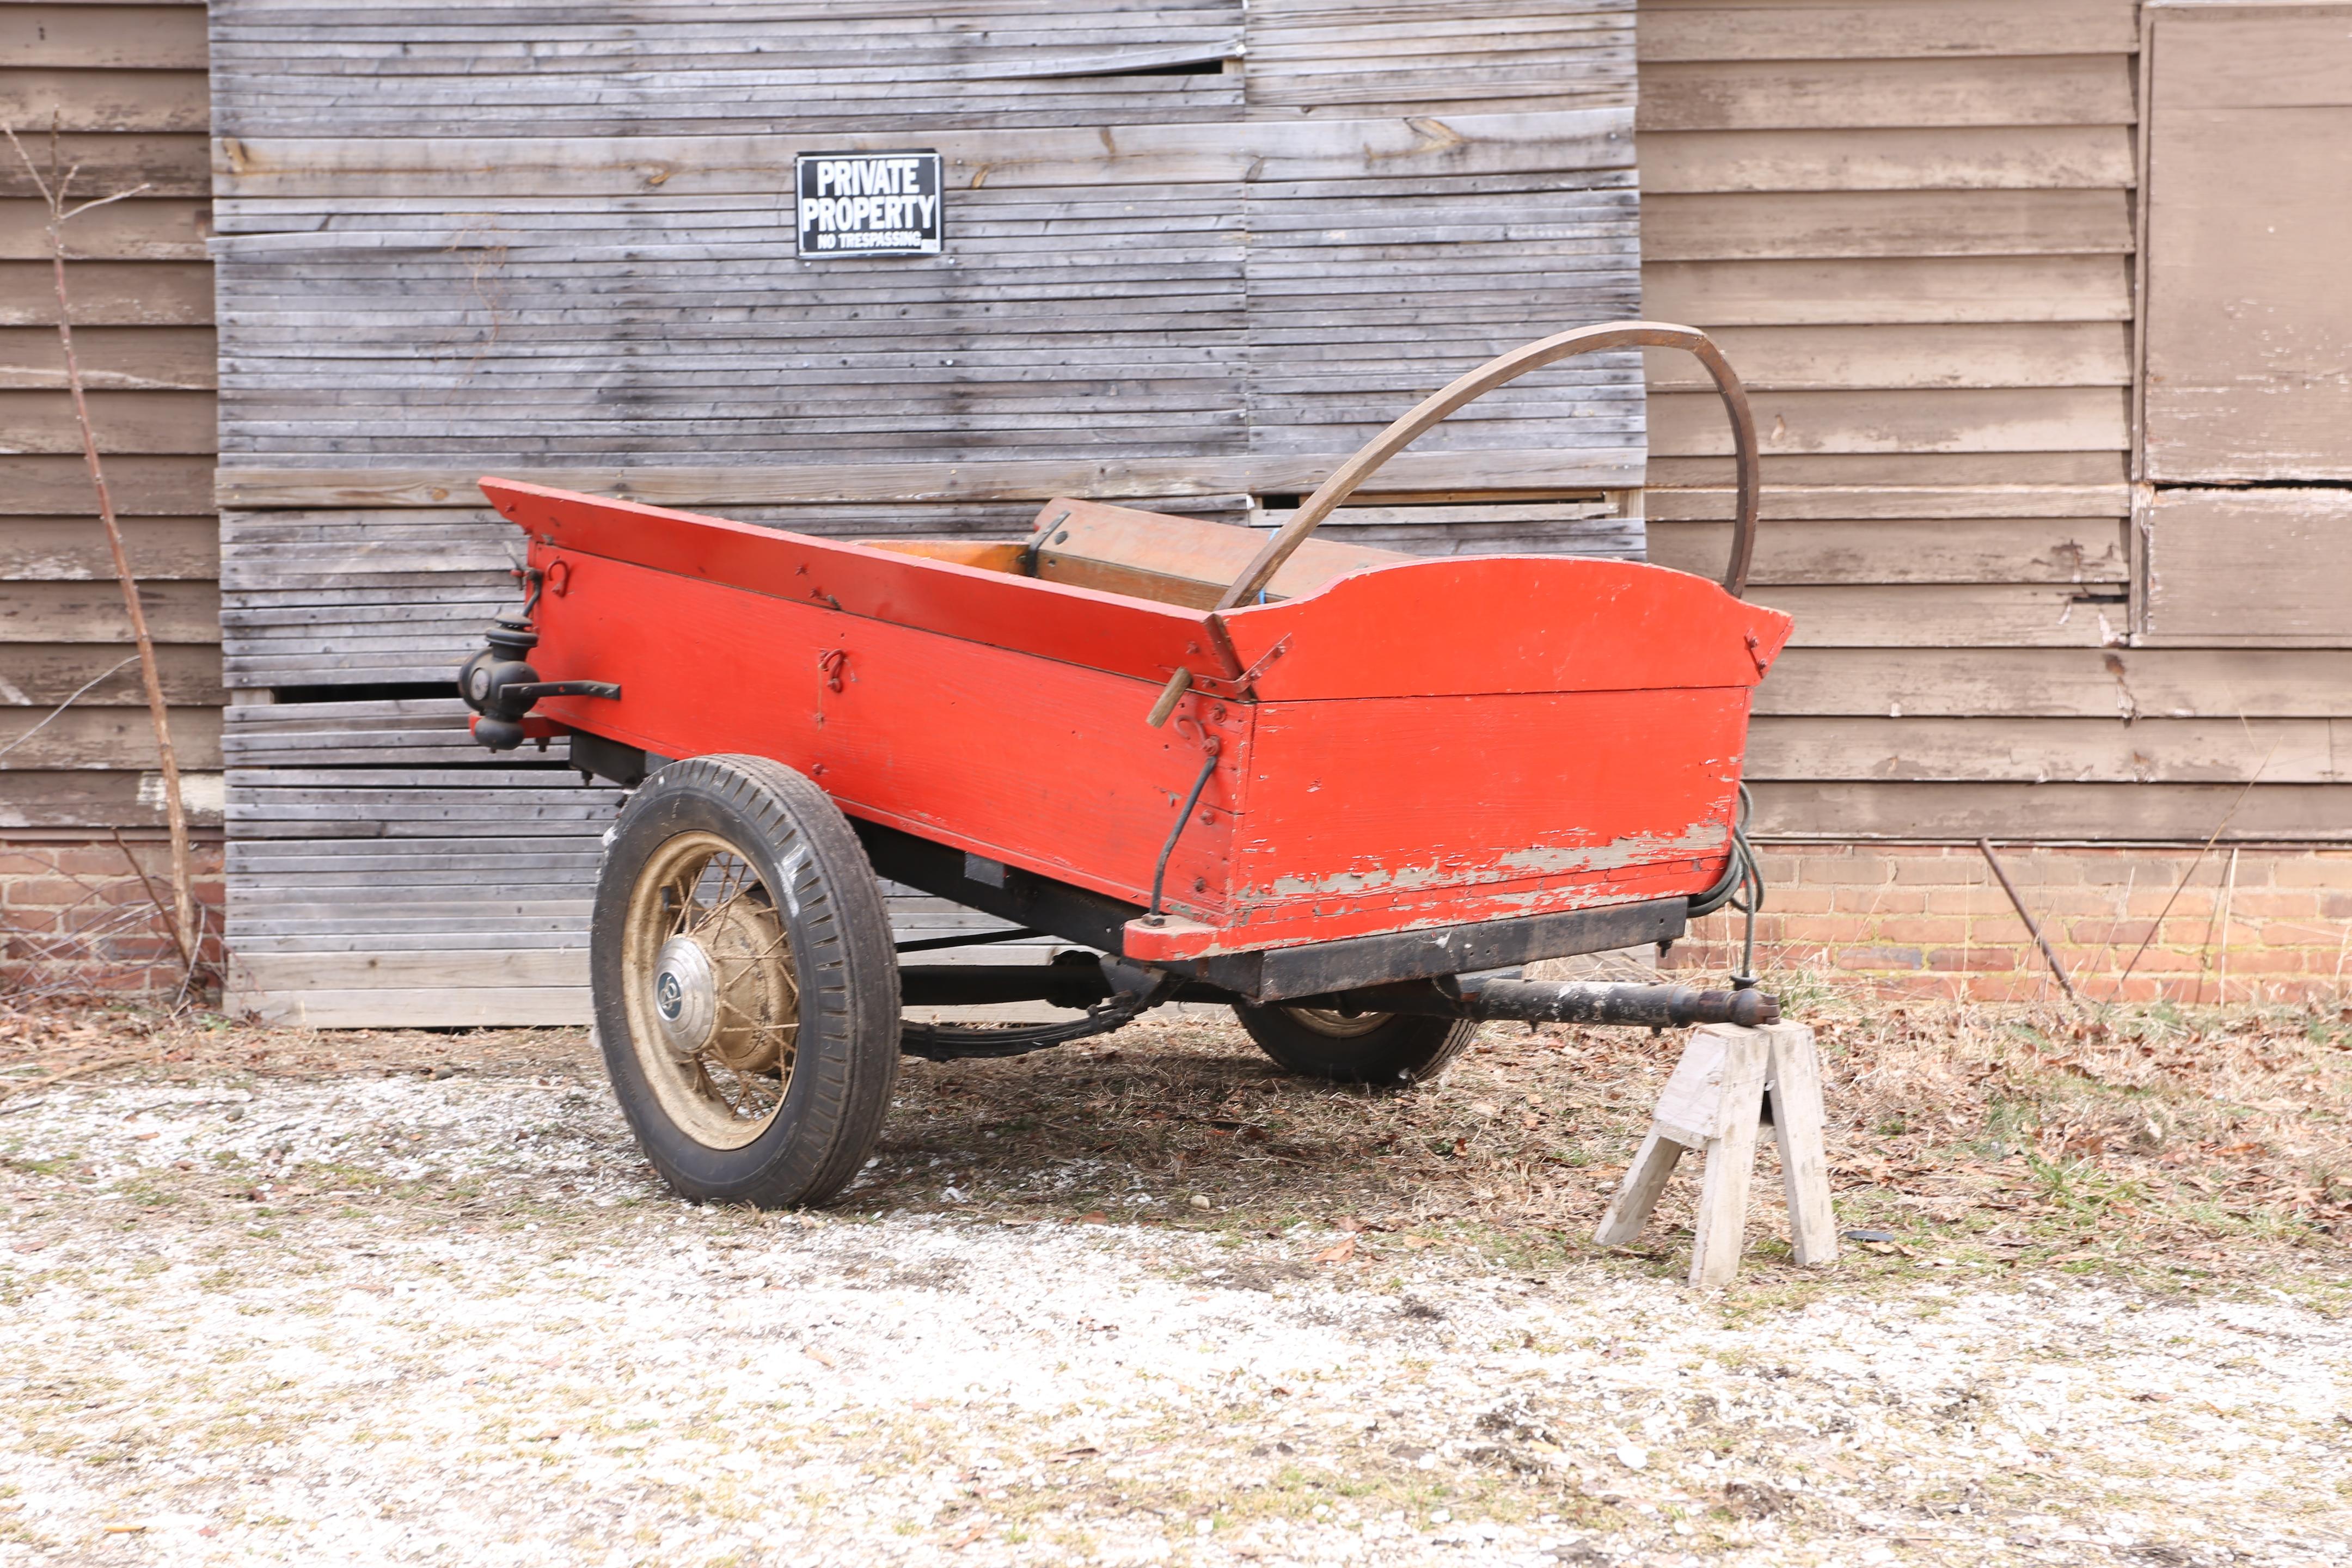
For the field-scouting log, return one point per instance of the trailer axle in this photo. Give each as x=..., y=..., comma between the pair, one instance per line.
x=1075, y=980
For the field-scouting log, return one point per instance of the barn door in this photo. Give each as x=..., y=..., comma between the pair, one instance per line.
x=2245, y=514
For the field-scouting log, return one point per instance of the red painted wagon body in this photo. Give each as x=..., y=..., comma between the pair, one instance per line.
x=1428, y=743
x=1340, y=793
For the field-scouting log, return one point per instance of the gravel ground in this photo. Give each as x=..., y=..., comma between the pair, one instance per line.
x=358, y=1315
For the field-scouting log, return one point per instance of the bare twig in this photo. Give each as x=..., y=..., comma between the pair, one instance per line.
x=187, y=959
x=176, y=811
x=69, y=702
x=2228, y=895
x=2033, y=927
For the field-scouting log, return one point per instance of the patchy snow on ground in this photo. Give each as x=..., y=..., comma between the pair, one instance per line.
x=365, y=1319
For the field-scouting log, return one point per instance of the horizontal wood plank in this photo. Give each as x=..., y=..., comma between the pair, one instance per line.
x=1954, y=497
x=74, y=548
x=425, y=1007
x=144, y=359
x=2003, y=474
x=1830, y=292
x=142, y=486
x=90, y=736
x=107, y=99
x=486, y=167
x=109, y=293
x=1952, y=614
x=2053, y=813
x=1900, y=355
x=166, y=163
x=2060, y=683
x=101, y=799
x=142, y=229
x=1948, y=90
x=42, y=675
x=2051, y=419
x=2040, y=751
x=1714, y=30
x=2002, y=550
x=92, y=612
x=103, y=36
x=172, y=422
x=255, y=486
x=1800, y=226
x=1962, y=158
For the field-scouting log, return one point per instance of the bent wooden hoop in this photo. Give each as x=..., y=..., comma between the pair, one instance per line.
x=1485, y=379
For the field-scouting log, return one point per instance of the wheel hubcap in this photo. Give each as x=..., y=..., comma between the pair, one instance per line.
x=686, y=996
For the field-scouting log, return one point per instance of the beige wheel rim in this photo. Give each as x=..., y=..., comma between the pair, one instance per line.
x=706, y=978
x=1338, y=1026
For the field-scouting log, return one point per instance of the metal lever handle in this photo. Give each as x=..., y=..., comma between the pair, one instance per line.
x=532, y=691
x=1485, y=379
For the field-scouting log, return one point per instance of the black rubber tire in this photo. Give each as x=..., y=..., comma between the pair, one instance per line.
x=843, y=957
x=1397, y=1050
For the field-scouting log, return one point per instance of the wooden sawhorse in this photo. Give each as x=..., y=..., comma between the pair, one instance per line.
x=1713, y=1105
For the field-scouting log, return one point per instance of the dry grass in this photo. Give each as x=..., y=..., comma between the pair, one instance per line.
x=2163, y=1144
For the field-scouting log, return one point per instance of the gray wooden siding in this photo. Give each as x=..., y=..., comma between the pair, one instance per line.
x=1195, y=257
x=124, y=87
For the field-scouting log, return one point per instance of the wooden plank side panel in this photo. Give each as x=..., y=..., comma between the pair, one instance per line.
x=2249, y=568
x=2249, y=330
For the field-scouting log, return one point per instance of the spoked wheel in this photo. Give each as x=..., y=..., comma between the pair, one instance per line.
x=746, y=990
x=1370, y=1048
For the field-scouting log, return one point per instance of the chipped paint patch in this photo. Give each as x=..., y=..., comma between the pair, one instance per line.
x=1699, y=840
x=1704, y=837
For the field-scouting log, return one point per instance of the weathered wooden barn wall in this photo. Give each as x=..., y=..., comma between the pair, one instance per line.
x=1912, y=224
x=124, y=88
x=1196, y=254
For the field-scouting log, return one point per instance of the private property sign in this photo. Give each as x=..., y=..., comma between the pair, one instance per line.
x=868, y=204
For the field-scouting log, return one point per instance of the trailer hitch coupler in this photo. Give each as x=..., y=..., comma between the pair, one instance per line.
x=487, y=678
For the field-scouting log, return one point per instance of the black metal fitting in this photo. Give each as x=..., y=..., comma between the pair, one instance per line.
x=500, y=684
x=495, y=682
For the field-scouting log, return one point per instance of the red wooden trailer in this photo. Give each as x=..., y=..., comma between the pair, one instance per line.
x=1346, y=791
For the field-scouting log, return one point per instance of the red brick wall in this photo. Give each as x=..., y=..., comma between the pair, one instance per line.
x=1931, y=922
x=75, y=919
